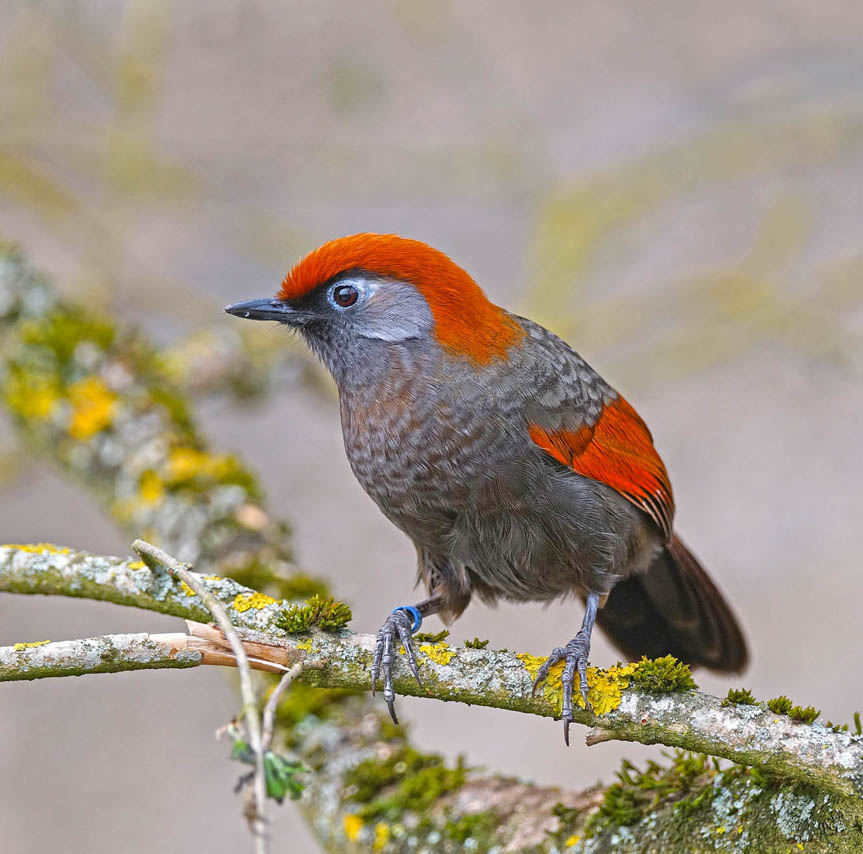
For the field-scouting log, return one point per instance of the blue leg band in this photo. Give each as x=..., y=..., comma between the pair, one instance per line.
x=415, y=615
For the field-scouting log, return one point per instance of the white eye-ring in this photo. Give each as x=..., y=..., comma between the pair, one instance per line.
x=347, y=293
x=344, y=296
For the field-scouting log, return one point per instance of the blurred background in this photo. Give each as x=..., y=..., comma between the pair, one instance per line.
x=676, y=188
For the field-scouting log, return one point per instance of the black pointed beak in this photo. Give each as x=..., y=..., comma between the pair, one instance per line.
x=262, y=309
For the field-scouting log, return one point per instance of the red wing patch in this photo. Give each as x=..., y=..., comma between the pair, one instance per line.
x=617, y=451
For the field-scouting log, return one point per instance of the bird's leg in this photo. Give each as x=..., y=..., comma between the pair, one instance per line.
x=575, y=654
x=400, y=625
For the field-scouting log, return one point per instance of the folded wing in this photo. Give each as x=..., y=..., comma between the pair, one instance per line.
x=615, y=448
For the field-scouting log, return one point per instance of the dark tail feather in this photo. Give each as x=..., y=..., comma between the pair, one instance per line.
x=674, y=608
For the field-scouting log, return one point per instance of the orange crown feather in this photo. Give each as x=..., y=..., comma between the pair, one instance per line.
x=466, y=323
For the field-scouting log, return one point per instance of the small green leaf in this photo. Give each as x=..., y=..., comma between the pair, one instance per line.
x=282, y=776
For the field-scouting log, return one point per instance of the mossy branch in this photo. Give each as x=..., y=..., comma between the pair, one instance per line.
x=748, y=734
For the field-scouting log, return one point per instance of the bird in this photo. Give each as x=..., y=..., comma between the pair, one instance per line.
x=517, y=471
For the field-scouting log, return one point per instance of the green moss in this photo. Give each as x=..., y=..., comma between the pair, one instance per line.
x=857, y=730
x=476, y=643
x=783, y=706
x=779, y=705
x=686, y=780
x=406, y=781
x=431, y=637
x=662, y=675
x=806, y=715
x=858, y=726
x=739, y=697
x=326, y=614
x=478, y=826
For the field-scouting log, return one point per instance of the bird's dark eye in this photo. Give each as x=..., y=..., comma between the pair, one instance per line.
x=345, y=295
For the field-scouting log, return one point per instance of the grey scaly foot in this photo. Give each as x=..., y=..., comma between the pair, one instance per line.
x=399, y=625
x=575, y=655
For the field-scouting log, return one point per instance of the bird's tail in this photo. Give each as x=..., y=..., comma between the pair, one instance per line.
x=674, y=608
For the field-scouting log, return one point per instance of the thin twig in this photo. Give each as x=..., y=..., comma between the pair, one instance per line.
x=257, y=816
x=273, y=702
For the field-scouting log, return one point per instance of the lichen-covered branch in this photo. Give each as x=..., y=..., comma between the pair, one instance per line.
x=106, y=654
x=25, y=661
x=747, y=734
x=60, y=571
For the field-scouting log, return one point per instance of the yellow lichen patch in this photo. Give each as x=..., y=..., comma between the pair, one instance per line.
x=382, y=835
x=440, y=653
x=353, y=824
x=605, y=687
x=573, y=840
x=551, y=689
x=19, y=646
x=137, y=564
x=185, y=463
x=186, y=589
x=38, y=548
x=93, y=407
x=245, y=601
x=534, y=662
x=32, y=397
x=150, y=488
x=304, y=645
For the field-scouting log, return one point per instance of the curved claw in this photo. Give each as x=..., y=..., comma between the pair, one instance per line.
x=557, y=654
x=575, y=654
x=397, y=625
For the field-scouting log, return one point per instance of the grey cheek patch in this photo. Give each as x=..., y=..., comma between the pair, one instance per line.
x=393, y=311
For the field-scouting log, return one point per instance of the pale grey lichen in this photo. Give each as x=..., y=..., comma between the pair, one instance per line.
x=793, y=814
x=108, y=654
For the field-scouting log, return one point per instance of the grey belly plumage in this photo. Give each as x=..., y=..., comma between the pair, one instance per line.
x=487, y=506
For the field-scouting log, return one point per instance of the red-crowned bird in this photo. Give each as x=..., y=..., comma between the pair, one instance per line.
x=517, y=471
